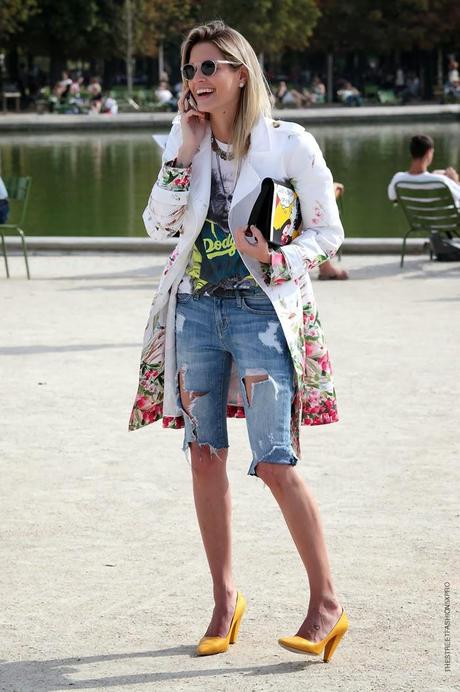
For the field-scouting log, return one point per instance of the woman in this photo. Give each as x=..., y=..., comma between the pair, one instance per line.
x=233, y=328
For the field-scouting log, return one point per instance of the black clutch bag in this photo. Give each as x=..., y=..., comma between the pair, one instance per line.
x=276, y=213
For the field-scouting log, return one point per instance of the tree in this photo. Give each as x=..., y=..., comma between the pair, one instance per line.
x=272, y=25
x=75, y=29
x=156, y=21
x=13, y=14
x=381, y=26
x=384, y=28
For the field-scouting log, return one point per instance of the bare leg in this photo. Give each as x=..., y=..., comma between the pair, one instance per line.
x=301, y=513
x=211, y=492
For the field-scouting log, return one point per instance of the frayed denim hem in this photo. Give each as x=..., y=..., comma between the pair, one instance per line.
x=277, y=455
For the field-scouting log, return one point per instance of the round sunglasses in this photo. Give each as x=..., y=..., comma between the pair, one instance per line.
x=208, y=68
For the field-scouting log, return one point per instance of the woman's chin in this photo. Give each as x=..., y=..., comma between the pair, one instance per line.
x=205, y=108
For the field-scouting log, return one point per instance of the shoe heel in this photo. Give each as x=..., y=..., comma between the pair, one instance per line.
x=235, y=630
x=331, y=647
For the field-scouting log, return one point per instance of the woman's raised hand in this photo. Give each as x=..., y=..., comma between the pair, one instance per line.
x=193, y=125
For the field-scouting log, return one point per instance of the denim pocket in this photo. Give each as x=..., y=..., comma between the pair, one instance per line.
x=259, y=304
x=183, y=298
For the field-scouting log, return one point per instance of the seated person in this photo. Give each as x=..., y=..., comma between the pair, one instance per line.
x=109, y=105
x=94, y=88
x=76, y=87
x=348, y=94
x=4, y=206
x=422, y=151
x=327, y=269
x=164, y=95
x=452, y=86
x=289, y=97
x=95, y=104
x=62, y=88
x=411, y=92
x=317, y=90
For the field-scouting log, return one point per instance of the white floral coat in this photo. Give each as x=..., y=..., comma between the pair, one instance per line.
x=280, y=150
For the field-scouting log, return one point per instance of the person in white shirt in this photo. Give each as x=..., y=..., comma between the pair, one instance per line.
x=110, y=106
x=422, y=152
x=164, y=95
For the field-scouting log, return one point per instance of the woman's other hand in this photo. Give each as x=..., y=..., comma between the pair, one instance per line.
x=250, y=241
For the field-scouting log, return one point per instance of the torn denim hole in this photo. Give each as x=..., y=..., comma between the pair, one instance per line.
x=253, y=378
x=250, y=378
x=189, y=399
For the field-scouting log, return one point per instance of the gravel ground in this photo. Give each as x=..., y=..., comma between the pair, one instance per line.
x=104, y=583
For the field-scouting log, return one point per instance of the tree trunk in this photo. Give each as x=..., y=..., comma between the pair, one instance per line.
x=330, y=77
x=439, y=69
x=429, y=75
x=57, y=65
x=12, y=64
x=129, y=47
x=109, y=72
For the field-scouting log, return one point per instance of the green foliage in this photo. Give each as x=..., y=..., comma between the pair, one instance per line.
x=13, y=14
x=381, y=26
x=271, y=26
x=83, y=29
x=71, y=29
x=157, y=20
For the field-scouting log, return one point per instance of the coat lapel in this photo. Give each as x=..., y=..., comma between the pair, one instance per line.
x=249, y=181
x=200, y=185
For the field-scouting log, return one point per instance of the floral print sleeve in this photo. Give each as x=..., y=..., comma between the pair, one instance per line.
x=164, y=214
x=277, y=271
x=174, y=178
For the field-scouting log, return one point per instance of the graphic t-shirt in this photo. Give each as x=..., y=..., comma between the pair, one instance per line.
x=215, y=261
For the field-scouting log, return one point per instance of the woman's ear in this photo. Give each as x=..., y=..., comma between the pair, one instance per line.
x=243, y=77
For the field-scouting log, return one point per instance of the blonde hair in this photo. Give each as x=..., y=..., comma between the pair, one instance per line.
x=255, y=95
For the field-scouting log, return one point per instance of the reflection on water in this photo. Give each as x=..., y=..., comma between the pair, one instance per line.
x=98, y=183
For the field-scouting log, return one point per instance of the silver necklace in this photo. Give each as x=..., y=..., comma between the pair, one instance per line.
x=228, y=195
x=225, y=155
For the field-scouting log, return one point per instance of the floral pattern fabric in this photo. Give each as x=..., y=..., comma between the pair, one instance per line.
x=277, y=271
x=174, y=178
x=285, y=279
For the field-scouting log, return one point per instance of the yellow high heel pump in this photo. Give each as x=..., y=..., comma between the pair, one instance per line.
x=299, y=645
x=217, y=645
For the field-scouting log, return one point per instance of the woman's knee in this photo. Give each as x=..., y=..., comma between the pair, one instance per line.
x=275, y=475
x=205, y=460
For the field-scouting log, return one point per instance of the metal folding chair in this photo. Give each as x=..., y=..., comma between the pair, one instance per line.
x=429, y=208
x=18, y=192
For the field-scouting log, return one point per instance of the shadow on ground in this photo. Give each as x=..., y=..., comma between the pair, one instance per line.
x=43, y=676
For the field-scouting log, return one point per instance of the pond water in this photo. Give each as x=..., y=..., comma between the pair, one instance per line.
x=95, y=184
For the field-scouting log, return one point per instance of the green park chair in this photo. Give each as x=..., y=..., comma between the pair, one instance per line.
x=429, y=208
x=18, y=194
x=387, y=97
x=339, y=201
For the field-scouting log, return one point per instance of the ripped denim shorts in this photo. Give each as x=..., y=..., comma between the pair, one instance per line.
x=212, y=330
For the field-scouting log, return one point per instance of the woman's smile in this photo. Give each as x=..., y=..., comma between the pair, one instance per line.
x=204, y=93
